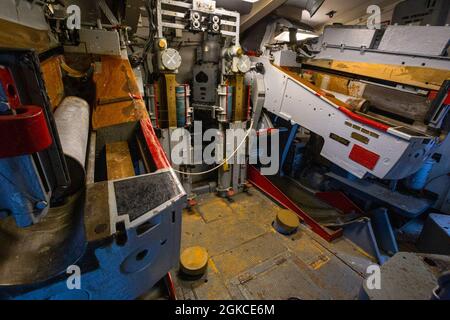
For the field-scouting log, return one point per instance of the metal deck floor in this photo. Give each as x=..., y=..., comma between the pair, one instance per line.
x=250, y=260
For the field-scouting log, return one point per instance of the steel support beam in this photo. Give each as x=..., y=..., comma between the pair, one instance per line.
x=259, y=11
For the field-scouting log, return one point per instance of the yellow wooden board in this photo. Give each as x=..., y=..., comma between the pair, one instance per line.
x=15, y=35
x=118, y=161
x=115, y=79
x=51, y=72
x=422, y=77
x=170, y=84
x=332, y=83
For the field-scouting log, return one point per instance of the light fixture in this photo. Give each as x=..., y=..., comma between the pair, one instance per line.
x=251, y=1
x=301, y=35
x=331, y=13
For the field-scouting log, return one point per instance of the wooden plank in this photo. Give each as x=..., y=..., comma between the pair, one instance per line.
x=15, y=35
x=115, y=79
x=118, y=161
x=52, y=75
x=332, y=83
x=117, y=113
x=239, y=97
x=171, y=83
x=422, y=77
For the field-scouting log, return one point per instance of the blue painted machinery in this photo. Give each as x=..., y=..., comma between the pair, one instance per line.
x=66, y=231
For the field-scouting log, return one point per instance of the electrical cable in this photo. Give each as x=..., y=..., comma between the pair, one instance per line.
x=223, y=162
x=435, y=178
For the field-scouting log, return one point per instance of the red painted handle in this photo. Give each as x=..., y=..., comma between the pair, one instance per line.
x=26, y=132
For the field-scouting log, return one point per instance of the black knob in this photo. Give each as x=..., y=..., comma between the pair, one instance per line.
x=259, y=67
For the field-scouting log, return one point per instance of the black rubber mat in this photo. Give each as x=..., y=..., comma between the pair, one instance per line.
x=137, y=196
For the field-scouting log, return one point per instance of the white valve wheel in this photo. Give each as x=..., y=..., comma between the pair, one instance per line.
x=244, y=64
x=171, y=59
x=196, y=16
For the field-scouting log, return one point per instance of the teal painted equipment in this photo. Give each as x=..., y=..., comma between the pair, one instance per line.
x=182, y=93
x=229, y=103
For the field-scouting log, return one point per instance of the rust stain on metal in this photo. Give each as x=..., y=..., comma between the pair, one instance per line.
x=118, y=161
x=320, y=262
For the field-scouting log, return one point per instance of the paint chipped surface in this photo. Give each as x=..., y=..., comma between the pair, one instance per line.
x=249, y=260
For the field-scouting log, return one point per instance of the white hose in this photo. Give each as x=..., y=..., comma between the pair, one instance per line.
x=224, y=161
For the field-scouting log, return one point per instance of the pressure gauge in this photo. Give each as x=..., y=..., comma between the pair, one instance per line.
x=215, y=27
x=215, y=19
x=196, y=16
x=171, y=59
x=196, y=21
x=244, y=64
x=214, y=24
